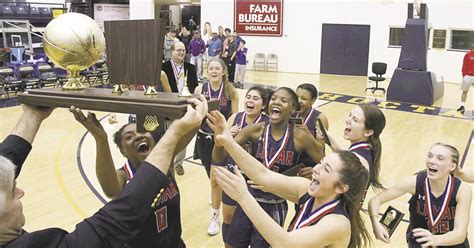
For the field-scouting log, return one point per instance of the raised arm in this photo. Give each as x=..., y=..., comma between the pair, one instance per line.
x=17, y=146
x=332, y=230
x=30, y=121
x=121, y=219
x=110, y=180
x=305, y=141
x=407, y=185
x=466, y=174
x=290, y=188
x=220, y=155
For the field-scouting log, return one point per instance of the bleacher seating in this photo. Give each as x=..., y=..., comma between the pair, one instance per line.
x=9, y=82
x=46, y=74
x=27, y=74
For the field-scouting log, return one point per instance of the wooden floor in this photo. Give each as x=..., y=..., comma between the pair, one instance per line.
x=57, y=193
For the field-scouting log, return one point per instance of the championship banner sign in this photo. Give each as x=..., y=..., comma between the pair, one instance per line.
x=258, y=17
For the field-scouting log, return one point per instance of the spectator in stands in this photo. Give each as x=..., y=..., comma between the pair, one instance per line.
x=196, y=48
x=170, y=39
x=185, y=37
x=214, y=46
x=240, y=65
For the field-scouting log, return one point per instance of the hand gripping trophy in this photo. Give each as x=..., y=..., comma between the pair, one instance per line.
x=73, y=42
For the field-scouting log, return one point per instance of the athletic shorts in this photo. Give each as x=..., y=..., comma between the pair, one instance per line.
x=467, y=81
x=203, y=148
x=243, y=233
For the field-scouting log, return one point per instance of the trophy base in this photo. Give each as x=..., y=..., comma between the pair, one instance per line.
x=73, y=84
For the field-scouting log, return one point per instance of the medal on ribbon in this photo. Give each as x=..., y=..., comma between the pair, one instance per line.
x=266, y=146
x=305, y=218
x=434, y=219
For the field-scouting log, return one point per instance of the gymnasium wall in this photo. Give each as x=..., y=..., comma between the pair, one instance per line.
x=299, y=47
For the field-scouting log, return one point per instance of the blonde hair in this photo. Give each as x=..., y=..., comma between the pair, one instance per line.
x=229, y=90
x=205, y=29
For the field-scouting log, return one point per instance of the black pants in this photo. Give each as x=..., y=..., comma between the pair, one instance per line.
x=231, y=70
x=203, y=150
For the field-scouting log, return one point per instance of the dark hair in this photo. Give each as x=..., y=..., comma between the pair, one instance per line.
x=227, y=30
x=310, y=88
x=356, y=176
x=118, y=136
x=243, y=41
x=374, y=120
x=264, y=94
x=293, y=97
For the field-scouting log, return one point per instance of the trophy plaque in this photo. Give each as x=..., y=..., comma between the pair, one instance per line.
x=168, y=105
x=390, y=219
x=74, y=42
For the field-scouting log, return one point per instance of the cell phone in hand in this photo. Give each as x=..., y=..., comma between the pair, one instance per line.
x=230, y=167
x=323, y=132
x=295, y=121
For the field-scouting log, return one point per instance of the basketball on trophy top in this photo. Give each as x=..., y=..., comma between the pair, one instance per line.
x=73, y=42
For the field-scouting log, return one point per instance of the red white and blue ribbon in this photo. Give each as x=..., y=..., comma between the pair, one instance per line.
x=244, y=118
x=220, y=91
x=129, y=170
x=177, y=70
x=266, y=144
x=448, y=192
x=307, y=117
x=361, y=145
x=303, y=220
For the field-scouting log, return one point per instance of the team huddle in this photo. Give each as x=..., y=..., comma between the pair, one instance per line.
x=277, y=149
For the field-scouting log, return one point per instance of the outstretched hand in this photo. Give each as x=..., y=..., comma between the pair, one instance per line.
x=218, y=124
x=197, y=109
x=232, y=183
x=90, y=123
x=39, y=112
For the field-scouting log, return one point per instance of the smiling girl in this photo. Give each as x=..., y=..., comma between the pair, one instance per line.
x=439, y=206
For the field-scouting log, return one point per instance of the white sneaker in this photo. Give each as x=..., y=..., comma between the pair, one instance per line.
x=214, y=225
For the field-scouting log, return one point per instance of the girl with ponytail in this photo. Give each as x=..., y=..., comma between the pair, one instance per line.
x=329, y=215
x=363, y=127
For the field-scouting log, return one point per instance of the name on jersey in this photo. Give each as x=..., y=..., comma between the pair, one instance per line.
x=169, y=193
x=443, y=225
x=285, y=158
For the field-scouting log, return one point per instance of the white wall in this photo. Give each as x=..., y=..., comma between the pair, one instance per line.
x=299, y=49
x=176, y=14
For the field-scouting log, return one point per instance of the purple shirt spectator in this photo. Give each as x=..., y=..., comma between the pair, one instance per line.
x=197, y=47
x=241, y=56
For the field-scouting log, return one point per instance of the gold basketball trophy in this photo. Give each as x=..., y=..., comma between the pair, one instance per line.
x=73, y=42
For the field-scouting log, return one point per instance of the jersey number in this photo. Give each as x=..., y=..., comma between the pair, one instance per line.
x=161, y=219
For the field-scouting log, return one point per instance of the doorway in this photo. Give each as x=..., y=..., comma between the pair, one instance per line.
x=345, y=49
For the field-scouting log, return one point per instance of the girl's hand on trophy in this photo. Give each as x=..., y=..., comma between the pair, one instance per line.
x=90, y=123
x=197, y=109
